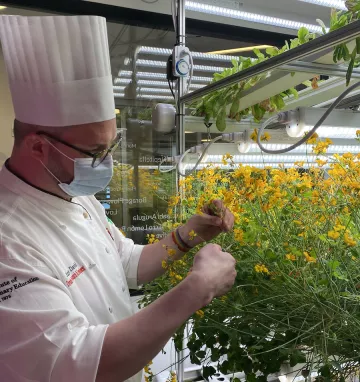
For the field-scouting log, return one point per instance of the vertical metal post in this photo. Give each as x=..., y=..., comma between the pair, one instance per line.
x=182, y=81
x=180, y=127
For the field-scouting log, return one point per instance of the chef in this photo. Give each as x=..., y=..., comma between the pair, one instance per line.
x=65, y=269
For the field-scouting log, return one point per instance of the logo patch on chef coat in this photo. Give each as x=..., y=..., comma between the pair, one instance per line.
x=73, y=272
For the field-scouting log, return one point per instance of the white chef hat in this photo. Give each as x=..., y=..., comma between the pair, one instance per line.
x=59, y=69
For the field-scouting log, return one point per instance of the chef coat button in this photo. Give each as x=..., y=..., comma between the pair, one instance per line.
x=86, y=215
x=107, y=250
x=69, y=326
x=110, y=309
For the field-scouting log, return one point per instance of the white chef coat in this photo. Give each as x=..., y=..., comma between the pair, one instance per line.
x=64, y=276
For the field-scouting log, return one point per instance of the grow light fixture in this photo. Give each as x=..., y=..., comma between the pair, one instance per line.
x=154, y=76
x=338, y=4
x=162, y=64
x=339, y=124
x=196, y=55
x=146, y=96
x=154, y=90
x=251, y=17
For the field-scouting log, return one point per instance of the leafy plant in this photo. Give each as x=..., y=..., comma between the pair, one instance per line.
x=296, y=296
x=216, y=105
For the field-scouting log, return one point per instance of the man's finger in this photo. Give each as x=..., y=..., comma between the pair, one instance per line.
x=212, y=220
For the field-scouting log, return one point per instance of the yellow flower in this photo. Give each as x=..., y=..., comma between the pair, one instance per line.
x=299, y=164
x=178, y=277
x=358, y=133
x=312, y=140
x=265, y=137
x=334, y=234
x=290, y=257
x=339, y=227
x=223, y=298
x=349, y=240
x=164, y=264
x=298, y=222
x=353, y=257
x=192, y=235
x=320, y=162
x=322, y=146
x=239, y=235
x=200, y=313
x=309, y=258
x=254, y=135
x=260, y=268
x=171, y=252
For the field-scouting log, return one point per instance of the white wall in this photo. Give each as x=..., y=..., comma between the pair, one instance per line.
x=6, y=114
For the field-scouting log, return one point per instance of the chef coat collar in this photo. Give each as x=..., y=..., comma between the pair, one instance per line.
x=21, y=187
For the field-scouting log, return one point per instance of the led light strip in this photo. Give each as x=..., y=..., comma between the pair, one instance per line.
x=146, y=96
x=198, y=55
x=333, y=149
x=127, y=81
x=338, y=4
x=247, y=16
x=154, y=90
x=161, y=76
x=336, y=132
x=162, y=64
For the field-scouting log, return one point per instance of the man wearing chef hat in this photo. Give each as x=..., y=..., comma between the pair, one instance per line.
x=65, y=270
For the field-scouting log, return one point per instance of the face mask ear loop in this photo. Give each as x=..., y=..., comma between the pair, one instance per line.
x=50, y=172
x=59, y=150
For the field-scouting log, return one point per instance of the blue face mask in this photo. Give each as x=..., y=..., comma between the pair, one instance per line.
x=87, y=180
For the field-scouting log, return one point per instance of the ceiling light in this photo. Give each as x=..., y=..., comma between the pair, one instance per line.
x=155, y=97
x=162, y=64
x=336, y=132
x=154, y=90
x=239, y=50
x=117, y=111
x=198, y=55
x=119, y=95
x=164, y=84
x=125, y=73
x=119, y=88
x=124, y=81
x=338, y=4
x=161, y=76
x=247, y=16
x=2, y=7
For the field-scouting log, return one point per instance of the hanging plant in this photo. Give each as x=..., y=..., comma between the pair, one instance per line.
x=216, y=105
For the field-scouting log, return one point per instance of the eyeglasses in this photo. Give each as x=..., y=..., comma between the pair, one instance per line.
x=98, y=157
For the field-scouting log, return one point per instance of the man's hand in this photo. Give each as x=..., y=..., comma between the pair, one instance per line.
x=216, y=218
x=214, y=272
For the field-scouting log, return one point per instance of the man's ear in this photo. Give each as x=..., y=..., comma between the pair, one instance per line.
x=36, y=146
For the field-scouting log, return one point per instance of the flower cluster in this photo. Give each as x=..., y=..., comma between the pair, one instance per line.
x=296, y=243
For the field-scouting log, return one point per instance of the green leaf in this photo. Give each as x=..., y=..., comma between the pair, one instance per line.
x=323, y=26
x=302, y=33
x=258, y=53
x=273, y=51
x=208, y=371
x=220, y=120
x=258, y=112
x=295, y=43
x=351, y=67
x=279, y=102
x=358, y=45
x=294, y=92
x=297, y=357
x=235, y=63
x=201, y=354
